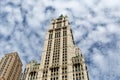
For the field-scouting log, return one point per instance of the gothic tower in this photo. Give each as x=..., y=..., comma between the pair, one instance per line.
x=61, y=59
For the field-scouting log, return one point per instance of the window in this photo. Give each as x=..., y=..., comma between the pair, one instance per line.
x=64, y=33
x=59, y=24
x=57, y=34
x=50, y=36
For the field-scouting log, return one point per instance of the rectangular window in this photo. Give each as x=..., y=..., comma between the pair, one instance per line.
x=50, y=36
x=57, y=34
x=59, y=25
x=64, y=33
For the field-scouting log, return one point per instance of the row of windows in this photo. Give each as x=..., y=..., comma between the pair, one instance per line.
x=57, y=51
x=57, y=40
x=47, y=57
x=77, y=60
x=5, y=61
x=58, y=29
x=76, y=70
x=34, y=68
x=55, y=64
x=77, y=73
x=57, y=34
x=3, y=65
x=57, y=48
x=54, y=73
x=78, y=78
x=64, y=77
x=64, y=73
x=64, y=70
x=64, y=58
x=56, y=57
x=59, y=23
x=8, y=59
x=55, y=60
x=64, y=61
x=65, y=41
x=77, y=67
x=54, y=78
x=45, y=72
x=47, y=60
x=45, y=66
x=48, y=50
x=48, y=54
x=13, y=70
x=49, y=43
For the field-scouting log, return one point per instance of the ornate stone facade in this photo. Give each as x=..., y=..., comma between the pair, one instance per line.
x=61, y=59
x=31, y=71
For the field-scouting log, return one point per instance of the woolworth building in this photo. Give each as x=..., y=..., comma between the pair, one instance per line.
x=61, y=59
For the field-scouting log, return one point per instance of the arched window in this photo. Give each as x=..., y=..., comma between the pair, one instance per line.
x=33, y=75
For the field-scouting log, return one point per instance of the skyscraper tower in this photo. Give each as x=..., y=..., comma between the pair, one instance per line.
x=10, y=67
x=61, y=59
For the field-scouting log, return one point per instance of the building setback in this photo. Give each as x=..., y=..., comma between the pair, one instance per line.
x=10, y=67
x=61, y=59
x=31, y=71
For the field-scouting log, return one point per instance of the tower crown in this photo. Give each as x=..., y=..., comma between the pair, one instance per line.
x=60, y=22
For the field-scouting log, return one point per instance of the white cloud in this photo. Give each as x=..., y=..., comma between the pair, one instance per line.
x=95, y=25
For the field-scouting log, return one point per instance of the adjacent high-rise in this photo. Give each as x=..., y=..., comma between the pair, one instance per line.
x=61, y=59
x=10, y=67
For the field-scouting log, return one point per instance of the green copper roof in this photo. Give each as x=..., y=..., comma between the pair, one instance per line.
x=61, y=16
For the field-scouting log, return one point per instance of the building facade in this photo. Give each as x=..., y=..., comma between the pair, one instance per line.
x=10, y=67
x=31, y=71
x=61, y=59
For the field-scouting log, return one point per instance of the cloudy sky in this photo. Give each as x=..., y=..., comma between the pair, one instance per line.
x=95, y=25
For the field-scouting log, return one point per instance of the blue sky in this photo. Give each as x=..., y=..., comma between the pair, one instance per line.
x=95, y=25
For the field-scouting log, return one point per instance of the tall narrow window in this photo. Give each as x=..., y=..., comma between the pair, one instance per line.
x=64, y=33
x=57, y=34
x=50, y=36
